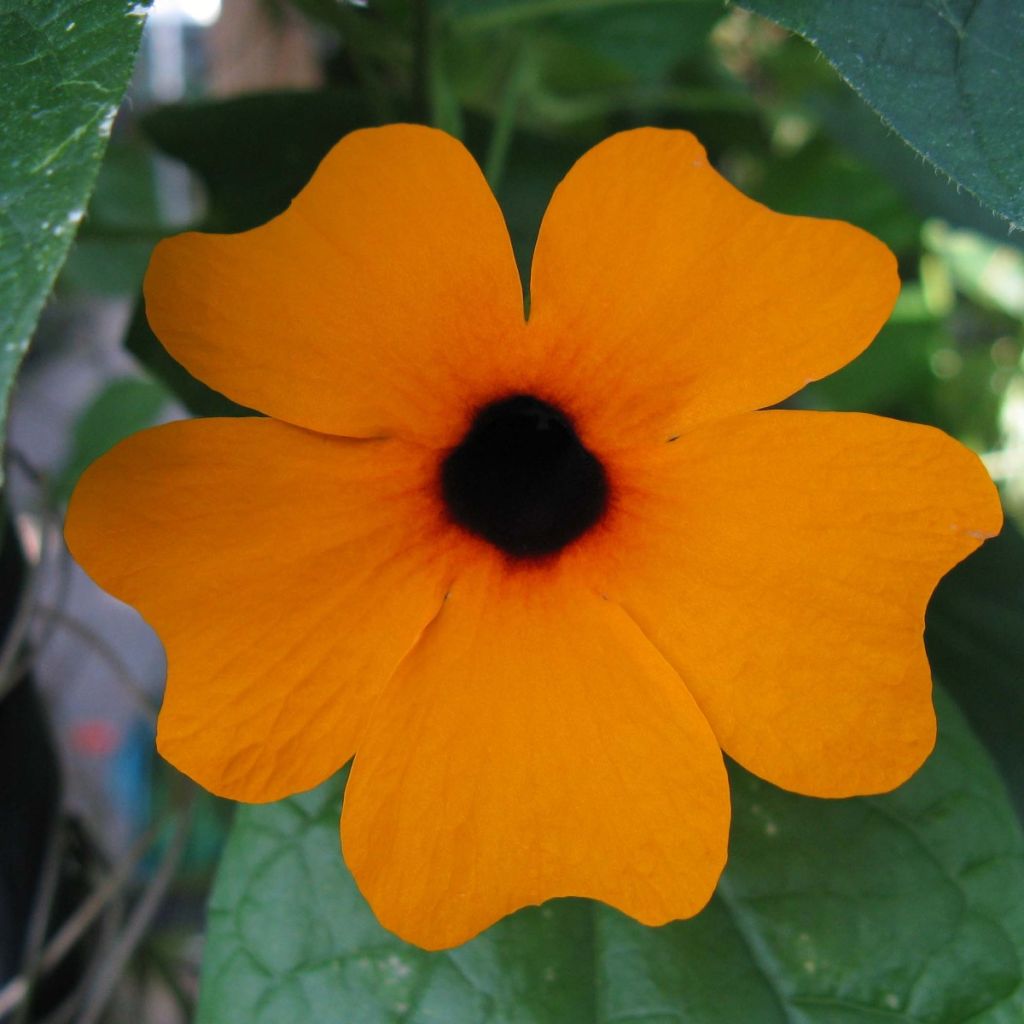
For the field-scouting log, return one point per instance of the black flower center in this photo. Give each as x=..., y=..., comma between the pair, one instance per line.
x=522, y=479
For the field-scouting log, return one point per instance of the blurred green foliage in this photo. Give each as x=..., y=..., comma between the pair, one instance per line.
x=111, y=252
x=123, y=407
x=906, y=907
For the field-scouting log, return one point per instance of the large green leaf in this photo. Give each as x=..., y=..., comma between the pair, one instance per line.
x=64, y=66
x=855, y=127
x=907, y=907
x=945, y=74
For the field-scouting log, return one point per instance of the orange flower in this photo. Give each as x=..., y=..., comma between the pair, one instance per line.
x=532, y=573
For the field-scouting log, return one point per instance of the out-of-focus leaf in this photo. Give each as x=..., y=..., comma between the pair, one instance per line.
x=64, y=66
x=256, y=152
x=535, y=166
x=122, y=224
x=893, y=375
x=820, y=181
x=943, y=366
x=121, y=408
x=538, y=162
x=585, y=61
x=192, y=393
x=944, y=74
x=641, y=42
x=989, y=273
x=105, y=264
x=976, y=644
x=906, y=907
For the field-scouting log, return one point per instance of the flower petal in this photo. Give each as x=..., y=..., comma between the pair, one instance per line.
x=359, y=309
x=286, y=573
x=532, y=745
x=668, y=298
x=782, y=562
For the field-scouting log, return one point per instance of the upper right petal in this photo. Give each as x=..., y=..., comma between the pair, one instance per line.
x=357, y=311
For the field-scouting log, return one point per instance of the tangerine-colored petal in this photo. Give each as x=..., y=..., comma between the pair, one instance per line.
x=532, y=745
x=665, y=297
x=286, y=573
x=361, y=309
x=782, y=562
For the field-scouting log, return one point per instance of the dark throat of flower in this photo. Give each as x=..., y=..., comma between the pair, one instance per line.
x=522, y=479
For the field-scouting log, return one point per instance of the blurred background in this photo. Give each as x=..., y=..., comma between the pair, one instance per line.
x=107, y=854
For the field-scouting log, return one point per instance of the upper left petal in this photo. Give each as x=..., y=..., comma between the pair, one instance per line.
x=286, y=573
x=359, y=309
x=532, y=745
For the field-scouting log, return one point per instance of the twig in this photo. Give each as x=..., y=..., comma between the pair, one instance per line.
x=138, y=921
x=75, y=926
x=505, y=122
x=46, y=889
x=18, y=630
x=48, y=624
x=166, y=972
x=108, y=926
x=21, y=460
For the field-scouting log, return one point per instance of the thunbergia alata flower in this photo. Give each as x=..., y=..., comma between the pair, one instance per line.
x=533, y=573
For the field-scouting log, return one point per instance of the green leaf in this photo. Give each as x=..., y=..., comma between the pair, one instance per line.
x=893, y=376
x=256, y=152
x=907, y=907
x=855, y=127
x=64, y=67
x=121, y=226
x=633, y=39
x=976, y=643
x=944, y=74
x=991, y=274
x=580, y=63
x=490, y=15
x=123, y=407
x=821, y=181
